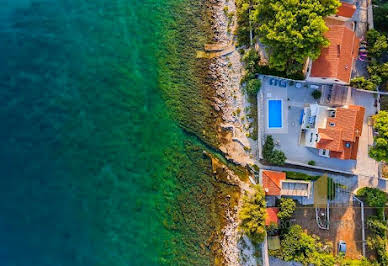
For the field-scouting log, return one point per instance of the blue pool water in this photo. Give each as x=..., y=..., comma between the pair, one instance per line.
x=274, y=113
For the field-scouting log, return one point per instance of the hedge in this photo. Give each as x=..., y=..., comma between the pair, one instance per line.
x=301, y=176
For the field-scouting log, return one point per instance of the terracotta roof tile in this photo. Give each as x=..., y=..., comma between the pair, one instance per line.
x=342, y=132
x=272, y=216
x=271, y=182
x=346, y=10
x=336, y=61
x=350, y=120
x=333, y=145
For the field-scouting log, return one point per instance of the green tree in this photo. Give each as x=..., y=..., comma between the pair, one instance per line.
x=252, y=215
x=380, y=70
x=377, y=226
x=298, y=246
x=362, y=83
x=380, y=149
x=379, y=46
x=287, y=208
x=293, y=30
x=374, y=197
x=378, y=244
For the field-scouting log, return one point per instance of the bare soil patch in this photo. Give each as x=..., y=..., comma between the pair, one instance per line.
x=345, y=224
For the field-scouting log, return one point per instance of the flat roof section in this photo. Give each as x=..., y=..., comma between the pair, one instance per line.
x=295, y=188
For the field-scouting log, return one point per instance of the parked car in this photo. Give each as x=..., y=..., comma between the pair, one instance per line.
x=341, y=247
x=312, y=86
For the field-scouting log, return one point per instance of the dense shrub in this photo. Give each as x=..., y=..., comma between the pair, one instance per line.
x=298, y=246
x=362, y=83
x=301, y=176
x=266, y=70
x=272, y=155
x=374, y=197
x=316, y=94
x=379, y=72
x=287, y=208
x=377, y=43
x=380, y=149
x=251, y=60
x=252, y=215
x=377, y=226
x=253, y=86
x=311, y=162
x=378, y=244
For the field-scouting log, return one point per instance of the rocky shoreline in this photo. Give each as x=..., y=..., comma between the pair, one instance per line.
x=234, y=131
x=226, y=71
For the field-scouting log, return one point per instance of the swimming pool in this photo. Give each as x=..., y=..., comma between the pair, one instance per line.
x=274, y=113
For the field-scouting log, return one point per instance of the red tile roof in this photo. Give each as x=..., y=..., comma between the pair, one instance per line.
x=272, y=216
x=342, y=132
x=336, y=61
x=271, y=182
x=346, y=10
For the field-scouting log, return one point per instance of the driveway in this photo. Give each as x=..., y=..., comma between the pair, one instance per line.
x=366, y=166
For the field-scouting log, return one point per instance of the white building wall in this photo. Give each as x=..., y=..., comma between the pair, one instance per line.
x=324, y=80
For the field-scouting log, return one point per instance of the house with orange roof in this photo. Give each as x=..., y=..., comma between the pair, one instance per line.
x=335, y=63
x=276, y=185
x=335, y=132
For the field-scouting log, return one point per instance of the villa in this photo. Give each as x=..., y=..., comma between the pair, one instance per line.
x=335, y=132
x=336, y=61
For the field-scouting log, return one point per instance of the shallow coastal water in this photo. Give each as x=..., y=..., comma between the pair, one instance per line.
x=94, y=167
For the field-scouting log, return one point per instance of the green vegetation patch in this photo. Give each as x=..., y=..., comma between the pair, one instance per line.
x=292, y=30
x=378, y=71
x=380, y=149
x=301, y=176
x=374, y=197
x=252, y=215
x=272, y=155
x=380, y=15
x=296, y=245
x=287, y=208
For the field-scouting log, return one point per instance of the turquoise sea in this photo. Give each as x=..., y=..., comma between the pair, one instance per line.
x=97, y=165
